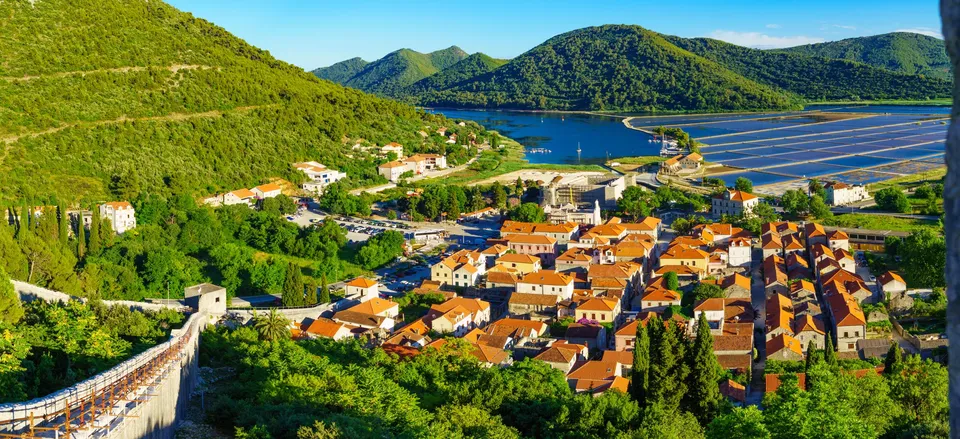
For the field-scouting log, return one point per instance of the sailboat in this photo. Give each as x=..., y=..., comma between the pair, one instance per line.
x=578, y=151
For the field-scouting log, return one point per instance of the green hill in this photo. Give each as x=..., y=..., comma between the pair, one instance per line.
x=341, y=71
x=629, y=68
x=392, y=73
x=468, y=68
x=612, y=67
x=137, y=88
x=902, y=52
x=815, y=78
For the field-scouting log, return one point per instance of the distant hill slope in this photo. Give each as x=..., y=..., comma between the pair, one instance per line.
x=391, y=74
x=468, y=68
x=902, y=52
x=136, y=87
x=341, y=71
x=612, y=67
x=629, y=68
x=815, y=78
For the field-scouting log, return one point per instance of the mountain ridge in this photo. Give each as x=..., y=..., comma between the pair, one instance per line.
x=594, y=72
x=397, y=70
x=903, y=52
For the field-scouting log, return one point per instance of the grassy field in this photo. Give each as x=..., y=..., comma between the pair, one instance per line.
x=934, y=175
x=879, y=222
x=512, y=161
x=630, y=164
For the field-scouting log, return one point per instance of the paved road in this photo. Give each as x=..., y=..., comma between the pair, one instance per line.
x=428, y=175
x=648, y=179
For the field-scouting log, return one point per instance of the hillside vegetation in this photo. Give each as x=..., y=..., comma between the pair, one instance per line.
x=341, y=71
x=400, y=69
x=611, y=68
x=902, y=52
x=468, y=68
x=816, y=78
x=138, y=87
x=629, y=68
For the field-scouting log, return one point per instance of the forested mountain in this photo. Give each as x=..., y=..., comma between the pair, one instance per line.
x=468, y=68
x=815, y=78
x=137, y=88
x=610, y=68
x=629, y=68
x=903, y=52
x=341, y=71
x=392, y=73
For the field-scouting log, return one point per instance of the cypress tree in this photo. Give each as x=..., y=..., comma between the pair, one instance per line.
x=703, y=396
x=311, y=293
x=24, y=224
x=667, y=370
x=94, y=246
x=813, y=356
x=640, y=376
x=293, y=287
x=891, y=364
x=81, y=239
x=324, y=290
x=64, y=224
x=829, y=354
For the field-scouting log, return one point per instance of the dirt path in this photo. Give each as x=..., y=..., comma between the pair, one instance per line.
x=174, y=68
x=9, y=140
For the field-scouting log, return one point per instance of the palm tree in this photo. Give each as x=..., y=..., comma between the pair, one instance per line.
x=272, y=327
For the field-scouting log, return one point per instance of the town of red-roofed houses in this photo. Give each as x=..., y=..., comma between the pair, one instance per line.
x=576, y=295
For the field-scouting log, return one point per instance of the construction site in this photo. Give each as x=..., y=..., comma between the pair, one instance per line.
x=584, y=190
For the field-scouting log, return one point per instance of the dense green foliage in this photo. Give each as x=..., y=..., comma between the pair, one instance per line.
x=903, y=52
x=909, y=403
x=184, y=104
x=56, y=345
x=815, y=78
x=468, y=68
x=393, y=73
x=365, y=393
x=11, y=311
x=527, y=212
x=892, y=199
x=176, y=244
x=923, y=255
x=381, y=249
x=342, y=71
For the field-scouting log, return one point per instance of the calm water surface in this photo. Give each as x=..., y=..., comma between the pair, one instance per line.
x=601, y=137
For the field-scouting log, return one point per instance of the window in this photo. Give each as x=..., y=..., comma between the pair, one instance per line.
x=846, y=334
x=603, y=316
x=849, y=345
x=856, y=334
x=217, y=300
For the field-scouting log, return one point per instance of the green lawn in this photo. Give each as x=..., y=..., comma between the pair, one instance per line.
x=512, y=161
x=879, y=222
x=933, y=176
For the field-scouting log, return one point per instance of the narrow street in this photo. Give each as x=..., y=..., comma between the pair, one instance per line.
x=758, y=300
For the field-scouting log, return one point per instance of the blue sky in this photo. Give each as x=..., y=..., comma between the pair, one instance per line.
x=317, y=33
